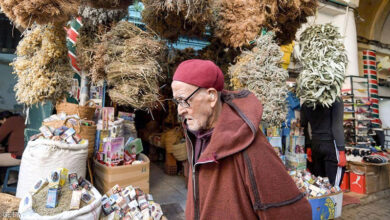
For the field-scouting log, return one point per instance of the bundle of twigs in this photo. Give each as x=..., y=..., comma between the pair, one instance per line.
x=96, y=22
x=259, y=71
x=109, y=4
x=173, y=18
x=26, y=12
x=42, y=65
x=237, y=22
x=130, y=58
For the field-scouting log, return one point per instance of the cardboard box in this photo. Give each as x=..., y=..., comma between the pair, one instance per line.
x=135, y=175
x=376, y=176
x=327, y=207
x=295, y=161
x=345, y=182
x=358, y=183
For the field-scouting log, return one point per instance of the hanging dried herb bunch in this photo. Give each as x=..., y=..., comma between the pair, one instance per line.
x=173, y=18
x=237, y=22
x=92, y=17
x=323, y=56
x=26, y=12
x=131, y=64
x=284, y=17
x=260, y=72
x=42, y=65
x=109, y=4
x=96, y=22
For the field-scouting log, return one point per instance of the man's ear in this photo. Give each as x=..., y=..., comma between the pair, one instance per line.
x=213, y=96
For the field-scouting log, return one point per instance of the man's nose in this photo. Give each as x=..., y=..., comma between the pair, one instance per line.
x=181, y=110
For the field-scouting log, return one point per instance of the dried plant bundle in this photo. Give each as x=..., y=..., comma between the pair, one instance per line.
x=260, y=72
x=173, y=18
x=42, y=65
x=27, y=12
x=323, y=56
x=130, y=58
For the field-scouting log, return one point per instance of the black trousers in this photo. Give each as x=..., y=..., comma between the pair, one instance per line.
x=325, y=161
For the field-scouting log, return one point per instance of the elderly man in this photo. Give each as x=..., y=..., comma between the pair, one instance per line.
x=234, y=172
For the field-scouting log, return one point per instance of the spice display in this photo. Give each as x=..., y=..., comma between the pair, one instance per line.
x=173, y=18
x=42, y=65
x=260, y=72
x=51, y=201
x=130, y=203
x=323, y=56
x=28, y=12
x=130, y=57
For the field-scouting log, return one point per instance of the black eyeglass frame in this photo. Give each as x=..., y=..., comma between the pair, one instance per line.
x=185, y=101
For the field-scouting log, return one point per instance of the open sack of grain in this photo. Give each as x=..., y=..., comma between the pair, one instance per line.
x=41, y=156
x=61, y=195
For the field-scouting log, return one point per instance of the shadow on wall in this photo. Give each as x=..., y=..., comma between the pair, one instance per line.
x=7, y=83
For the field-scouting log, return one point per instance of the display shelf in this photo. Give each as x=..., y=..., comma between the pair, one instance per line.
x=357, y=97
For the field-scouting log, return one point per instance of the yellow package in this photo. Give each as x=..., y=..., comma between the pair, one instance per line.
x=63, y=176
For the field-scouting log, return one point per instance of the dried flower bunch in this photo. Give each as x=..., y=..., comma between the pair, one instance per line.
x=94, y=16
x=96, y=22
x=109, y=4
x=323, y=56
x=130, y=57
x=42, y=65
x=173, y=18
x=260, y=72
x=237, y=22
x=26, y=12
x=284, y=17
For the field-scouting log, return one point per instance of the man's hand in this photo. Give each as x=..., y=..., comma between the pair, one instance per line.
x=342, y=159
x=308, y=152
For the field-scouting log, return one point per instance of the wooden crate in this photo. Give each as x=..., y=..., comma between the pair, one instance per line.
x=135, y=175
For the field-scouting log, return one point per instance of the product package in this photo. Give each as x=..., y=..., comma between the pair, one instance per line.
x=113, y=148
x=54, y=180
x=52, y=198
x=86, y=196
x=39, y=185
x=73, y=181
x=76, y=198
x=46, y=132
x=63, y=176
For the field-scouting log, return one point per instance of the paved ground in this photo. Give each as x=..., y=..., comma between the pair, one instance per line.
x=376, y=210
x=373, y=207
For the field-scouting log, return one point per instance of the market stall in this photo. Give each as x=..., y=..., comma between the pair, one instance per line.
x=109, y=78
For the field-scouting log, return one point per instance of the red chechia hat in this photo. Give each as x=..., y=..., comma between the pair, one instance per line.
x=201, y=73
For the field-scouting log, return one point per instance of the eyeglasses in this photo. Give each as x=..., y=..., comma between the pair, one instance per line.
x=184, y=102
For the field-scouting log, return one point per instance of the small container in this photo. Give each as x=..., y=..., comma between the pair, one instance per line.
x=52, y=198
x=76, y=198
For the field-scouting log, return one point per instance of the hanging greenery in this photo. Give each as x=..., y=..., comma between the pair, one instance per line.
x=260, y=71
x=323, y=56
x=42, y=65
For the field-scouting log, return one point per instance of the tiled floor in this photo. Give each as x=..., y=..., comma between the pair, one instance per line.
x=169, y=191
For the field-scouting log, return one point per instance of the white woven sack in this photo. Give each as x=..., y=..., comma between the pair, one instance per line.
x=89, y=212
x=43, y=156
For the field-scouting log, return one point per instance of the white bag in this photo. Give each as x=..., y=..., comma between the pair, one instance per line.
x=89, y=212
x=42, y=156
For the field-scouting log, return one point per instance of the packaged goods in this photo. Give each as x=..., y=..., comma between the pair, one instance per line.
x=52, y=198
x=76, y=198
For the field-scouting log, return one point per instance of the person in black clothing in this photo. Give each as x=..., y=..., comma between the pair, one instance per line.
x=326, y=148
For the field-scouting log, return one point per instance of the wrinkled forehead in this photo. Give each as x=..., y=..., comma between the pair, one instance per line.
x=181, y=89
